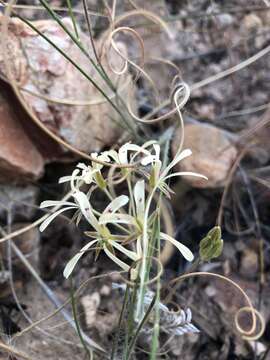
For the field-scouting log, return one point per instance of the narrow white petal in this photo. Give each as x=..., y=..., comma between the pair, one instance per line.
x=157, y=151
x=131, y=254
x=182, y=248
x=72, y=262
x=53, y=216
x=189, y=315
x=179, y=157
x=86, y=209
x=186, y=173
x=117, y=261
x=131, y=147
x=64, y=179
x=122, y=154
x=116, y=219
x=49, y=203
x=74, y=178
x=113, y=154
x=139, y=247
x=148, y=160
x=104, y=156
x=139, y=196
x=116, y=204
x=82, y=166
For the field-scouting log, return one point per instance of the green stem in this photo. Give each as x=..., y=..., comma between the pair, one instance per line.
x=73, y=304
x=156, y=327
x=142, y=323
x=71, y=14
x=117, y=335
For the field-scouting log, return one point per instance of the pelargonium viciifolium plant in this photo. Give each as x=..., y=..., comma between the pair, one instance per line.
x=124, y=229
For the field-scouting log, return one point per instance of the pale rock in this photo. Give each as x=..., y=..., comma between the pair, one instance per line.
x=90, y=304
x=212, y=155
x=249, y=263
x=46, y=79
x=252, y=22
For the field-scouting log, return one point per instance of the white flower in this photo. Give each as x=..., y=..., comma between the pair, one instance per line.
x=157, y=180
x=122, y=156
x=88, y=174
x=158, y=176
x=102, y=235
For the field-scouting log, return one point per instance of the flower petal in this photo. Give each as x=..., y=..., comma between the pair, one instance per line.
x=64, y=179
x=139, y=246
x=117, y=261
x=148, y=160
x=72, y=262
x=116, y=204
x=182, y=248
x=139, y=196
x=74, y=176
x=178, y=157
x=130, y=147
x=113, y=154
x=116, y=219
x=185, y=173
x=49, y=203
x=82, y=166
x=131, y=254
x=157, y=151
x=86, y=208
x=50, y=218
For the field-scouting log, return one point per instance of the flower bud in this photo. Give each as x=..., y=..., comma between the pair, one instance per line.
x=100, y=181
x=211, y=246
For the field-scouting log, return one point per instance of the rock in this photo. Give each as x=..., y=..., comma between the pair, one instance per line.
x=212, y=154
x=249, y=264
x=224, y=20
x=90, y=304
x=20, y=200
x=49, y=80
x=252, y=22
x=19, y=158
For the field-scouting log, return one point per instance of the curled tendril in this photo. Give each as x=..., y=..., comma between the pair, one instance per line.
x=255, y=315
x=240, y=328
x=127, y=61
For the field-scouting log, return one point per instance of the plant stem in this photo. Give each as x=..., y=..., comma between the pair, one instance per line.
x=74, y=310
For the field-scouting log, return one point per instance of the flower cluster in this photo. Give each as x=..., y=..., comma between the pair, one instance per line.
x=124, y=226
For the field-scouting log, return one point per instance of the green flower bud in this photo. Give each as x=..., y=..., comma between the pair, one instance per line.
x=211, y=246
x=100, y=181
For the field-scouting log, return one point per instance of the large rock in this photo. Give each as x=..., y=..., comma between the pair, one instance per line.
x=19, y=158
x=212, y=154
x=21, y=201
x=40, y=69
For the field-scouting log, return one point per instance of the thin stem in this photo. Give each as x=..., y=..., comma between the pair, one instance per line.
x=74, y=310
x=71, y=14
x=142, y=323
x=121, y=317
x=156, y=327
x=131, y=196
